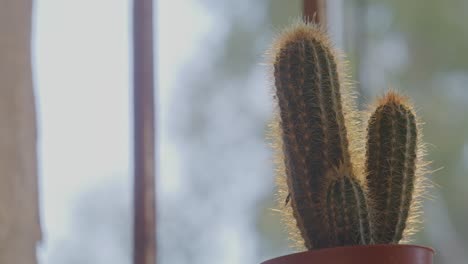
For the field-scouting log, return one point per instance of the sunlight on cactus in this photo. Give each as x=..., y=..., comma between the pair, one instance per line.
x=326, y=196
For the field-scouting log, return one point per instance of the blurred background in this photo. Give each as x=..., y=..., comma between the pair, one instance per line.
x=215, y=180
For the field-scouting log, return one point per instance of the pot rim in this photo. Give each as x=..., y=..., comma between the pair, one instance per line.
x=368, y=246
x=322, y=250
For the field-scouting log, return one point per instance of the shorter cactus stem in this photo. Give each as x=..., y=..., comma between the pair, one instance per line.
x=391, y=165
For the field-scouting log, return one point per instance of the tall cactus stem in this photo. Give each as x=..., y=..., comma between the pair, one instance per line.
x=313, y=130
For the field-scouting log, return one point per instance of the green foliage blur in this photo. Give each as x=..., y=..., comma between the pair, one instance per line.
x=223, y=103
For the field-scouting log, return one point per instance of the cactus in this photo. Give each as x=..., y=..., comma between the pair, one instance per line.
x=392, y=140
x=314, y=132
x=331, y=194
x=347, y=213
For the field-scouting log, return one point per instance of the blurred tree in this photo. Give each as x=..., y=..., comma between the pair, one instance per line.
x=102, y=218
x=222, y=107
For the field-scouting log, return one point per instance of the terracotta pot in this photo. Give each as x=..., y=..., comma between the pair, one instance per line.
x=375, y=254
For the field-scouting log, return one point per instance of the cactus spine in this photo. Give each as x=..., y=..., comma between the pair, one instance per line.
x=336, y=191
x=391, y=165
x=315, y=141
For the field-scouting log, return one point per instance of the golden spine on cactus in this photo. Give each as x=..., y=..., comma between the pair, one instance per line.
x=315, y=141
x=392, y=141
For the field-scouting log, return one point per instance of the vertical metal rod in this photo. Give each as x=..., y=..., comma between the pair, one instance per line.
x=144, y=222
x=314, y=11
x=360, y=44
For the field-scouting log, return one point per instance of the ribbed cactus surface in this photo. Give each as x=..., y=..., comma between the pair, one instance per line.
x=340, y=191
x=347, y=213
x=315, y=141
x=391, y=165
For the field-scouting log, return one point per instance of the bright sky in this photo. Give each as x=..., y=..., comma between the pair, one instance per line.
x=81, y=63
x=82, y=81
